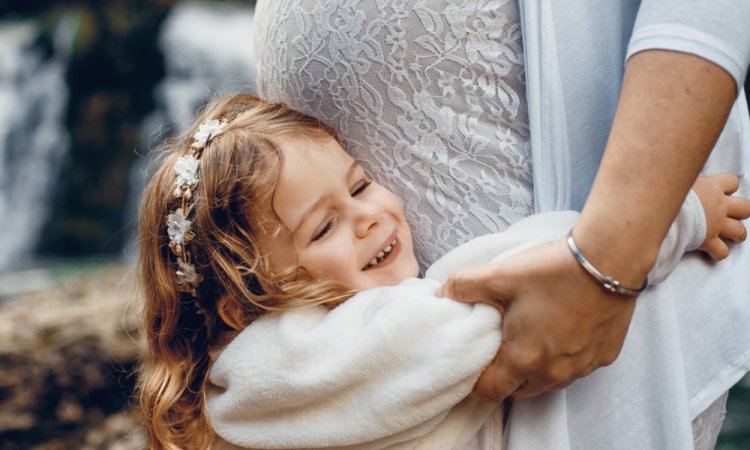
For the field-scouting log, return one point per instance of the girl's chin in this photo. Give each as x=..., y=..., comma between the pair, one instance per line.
x=390, y=279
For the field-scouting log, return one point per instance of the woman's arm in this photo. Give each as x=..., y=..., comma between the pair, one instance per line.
x=672, y=108
x=558, y=322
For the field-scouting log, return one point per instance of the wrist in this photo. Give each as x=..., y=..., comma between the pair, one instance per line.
x=608, y=282
x=619, y=249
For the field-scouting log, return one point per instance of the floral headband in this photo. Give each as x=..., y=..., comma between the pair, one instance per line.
x=179, y=227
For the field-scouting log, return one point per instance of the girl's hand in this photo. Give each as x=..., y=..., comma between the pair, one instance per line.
x=723, y=213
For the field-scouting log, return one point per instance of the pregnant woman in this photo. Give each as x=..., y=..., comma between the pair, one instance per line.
x=479, y=113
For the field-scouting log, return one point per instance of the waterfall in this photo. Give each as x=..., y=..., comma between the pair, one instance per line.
x=33, y=141
x=207, y=51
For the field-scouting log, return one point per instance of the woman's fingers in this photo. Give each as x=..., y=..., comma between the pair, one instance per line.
x=532, y=389
x=498, y=380
x=558, y=323
x=486, y=284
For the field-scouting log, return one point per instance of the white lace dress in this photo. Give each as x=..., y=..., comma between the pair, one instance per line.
x=408, y=83
x=403, y=92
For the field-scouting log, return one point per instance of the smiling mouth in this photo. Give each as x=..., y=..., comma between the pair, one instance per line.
x=382, y=255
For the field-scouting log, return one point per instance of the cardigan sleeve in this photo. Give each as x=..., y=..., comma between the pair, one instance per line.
x=716, y=30
x=686, y=233
x=384, y=367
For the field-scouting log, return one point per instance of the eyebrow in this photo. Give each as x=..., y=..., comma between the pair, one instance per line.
x=322, y=199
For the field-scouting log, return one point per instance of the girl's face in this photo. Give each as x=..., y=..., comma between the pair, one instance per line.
x=344, y=227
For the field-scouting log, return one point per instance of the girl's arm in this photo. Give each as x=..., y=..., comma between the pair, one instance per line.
x=710, y=216
x=384, y=367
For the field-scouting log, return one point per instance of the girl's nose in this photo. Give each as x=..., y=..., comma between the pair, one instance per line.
x=367, y=217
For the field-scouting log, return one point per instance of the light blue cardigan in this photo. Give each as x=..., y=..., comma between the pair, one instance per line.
x=689, y=355
x=667, y=373
x=573, y=81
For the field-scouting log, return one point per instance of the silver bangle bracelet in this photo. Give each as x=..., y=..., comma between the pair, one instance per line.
x=606, y=281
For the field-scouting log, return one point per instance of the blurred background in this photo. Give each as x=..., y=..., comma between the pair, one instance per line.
x=87, y=89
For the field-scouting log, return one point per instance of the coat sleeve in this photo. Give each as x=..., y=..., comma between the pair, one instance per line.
x=686, y=233
x=715, y=30
x=384, y=367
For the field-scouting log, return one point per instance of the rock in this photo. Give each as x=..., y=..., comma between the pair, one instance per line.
x=67, y=357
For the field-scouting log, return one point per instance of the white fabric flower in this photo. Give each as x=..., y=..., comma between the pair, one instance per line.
x=207, y=130
x=186, y=169
x=178, y=226
x=187, y=277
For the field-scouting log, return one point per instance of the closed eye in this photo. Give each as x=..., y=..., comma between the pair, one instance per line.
x=323, y=232
x=361, y=186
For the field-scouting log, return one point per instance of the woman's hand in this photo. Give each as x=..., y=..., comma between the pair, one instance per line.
x=723, y=213
x=558, y=323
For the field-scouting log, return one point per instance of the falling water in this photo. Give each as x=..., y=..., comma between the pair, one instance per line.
x=33, y=142
x=207, y=50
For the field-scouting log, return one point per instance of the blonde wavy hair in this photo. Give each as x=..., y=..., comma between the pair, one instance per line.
x=238, y=174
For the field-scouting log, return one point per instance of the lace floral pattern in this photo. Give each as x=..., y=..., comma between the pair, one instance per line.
x=707, y=425
x=430, y=95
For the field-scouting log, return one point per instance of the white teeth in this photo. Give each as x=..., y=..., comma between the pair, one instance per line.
x=381, y=254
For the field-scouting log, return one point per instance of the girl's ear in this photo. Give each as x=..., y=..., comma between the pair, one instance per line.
x=230, y=313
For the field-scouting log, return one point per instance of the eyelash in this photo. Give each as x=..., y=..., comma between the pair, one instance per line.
x=361, y=187
x=357, y=190
x=323, y=232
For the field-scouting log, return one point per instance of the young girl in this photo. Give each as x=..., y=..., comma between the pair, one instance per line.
x=282, y=305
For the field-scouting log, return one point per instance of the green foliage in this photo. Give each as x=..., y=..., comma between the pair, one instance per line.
x=735, y=434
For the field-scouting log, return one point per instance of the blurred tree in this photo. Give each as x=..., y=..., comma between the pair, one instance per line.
x=111, y=79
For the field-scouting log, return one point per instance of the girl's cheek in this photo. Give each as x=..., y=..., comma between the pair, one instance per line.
x=319, y=261
x=282, y=252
